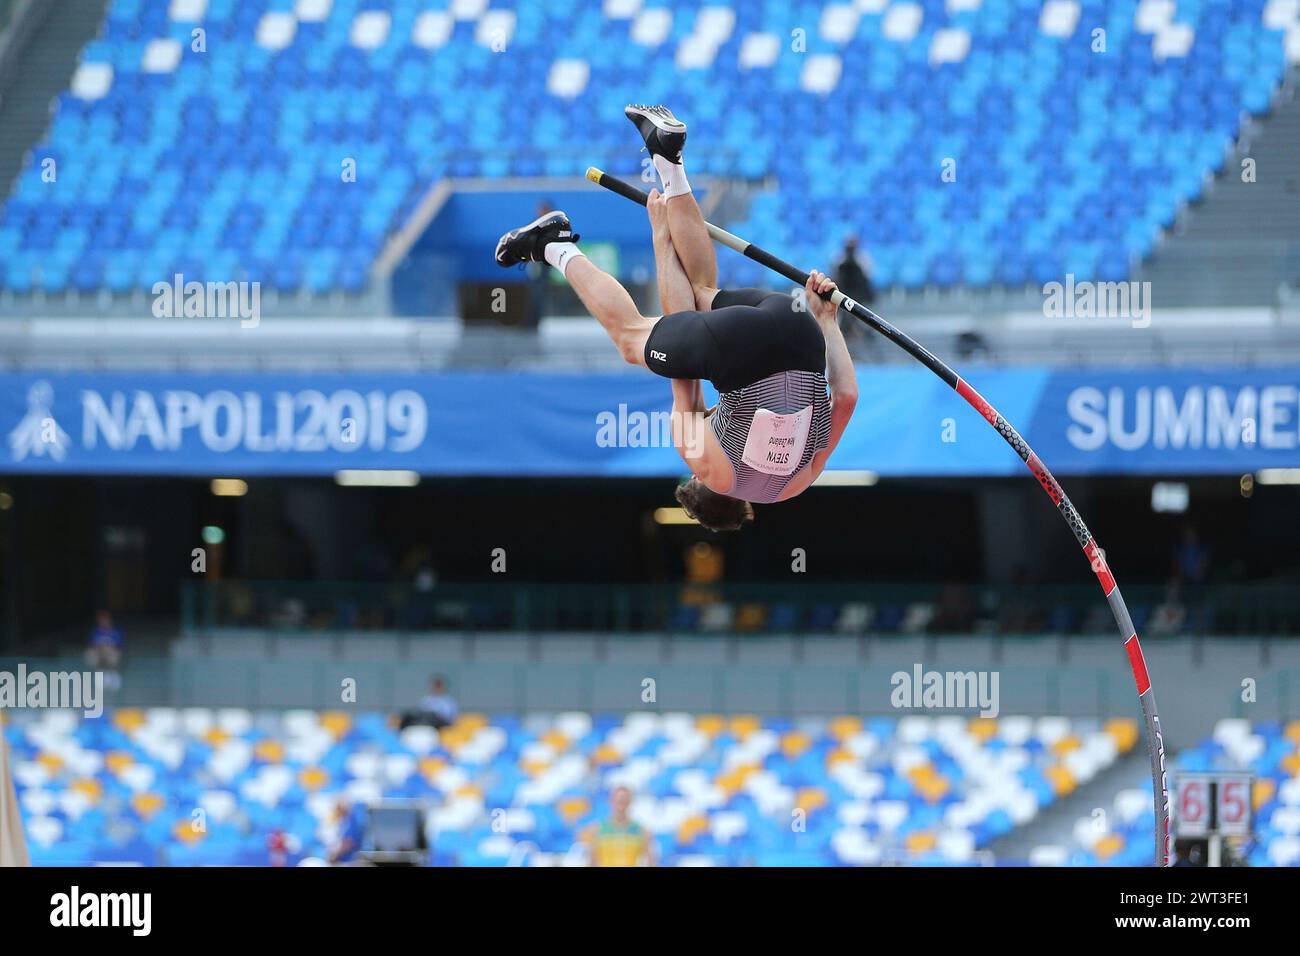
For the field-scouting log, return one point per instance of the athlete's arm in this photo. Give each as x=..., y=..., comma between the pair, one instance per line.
x=688, y=395
x=676, y=295
x=690, y=427
x=840, y=376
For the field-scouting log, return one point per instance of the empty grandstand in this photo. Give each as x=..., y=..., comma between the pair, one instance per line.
x=344, y=525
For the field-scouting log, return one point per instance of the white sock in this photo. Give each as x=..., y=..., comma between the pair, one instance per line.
x=560, y=254
x=672, y=175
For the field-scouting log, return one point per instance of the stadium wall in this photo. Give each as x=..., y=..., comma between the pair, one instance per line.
x=1200, y=680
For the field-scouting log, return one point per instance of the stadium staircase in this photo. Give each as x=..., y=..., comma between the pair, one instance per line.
x=1053, y=830
x=43, y=70
x=1238, y=244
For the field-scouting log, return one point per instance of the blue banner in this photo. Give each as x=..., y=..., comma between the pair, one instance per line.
x=1185, y=421
x=1080, y=421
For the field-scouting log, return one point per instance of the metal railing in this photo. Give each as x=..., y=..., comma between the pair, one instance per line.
x=766, y=607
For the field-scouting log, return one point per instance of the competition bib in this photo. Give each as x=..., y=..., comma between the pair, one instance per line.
x=775, y=443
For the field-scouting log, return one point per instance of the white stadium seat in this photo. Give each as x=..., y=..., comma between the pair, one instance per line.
x=651, y=27
x=1174, y=39
x=468, y=9
x=1059, y=18
x=432, y=29
x=276, y=30
x=495, y=29
x=1152, y=15
x=902, y=22
x=621, y=9
x=839, y=22
x=821, y=73
x=759, y=50
x=370, y=29
x=568, y=78
x=949, y=46
x=187, y=11
x=312, y=11
x=92, y=81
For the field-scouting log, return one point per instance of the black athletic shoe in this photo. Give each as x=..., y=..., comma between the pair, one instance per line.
x=527, y=242
x=664, y=133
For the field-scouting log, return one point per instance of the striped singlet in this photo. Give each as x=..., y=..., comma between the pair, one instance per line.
x=771, y=429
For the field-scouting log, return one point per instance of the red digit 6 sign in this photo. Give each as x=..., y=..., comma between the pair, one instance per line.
x=1193, y=805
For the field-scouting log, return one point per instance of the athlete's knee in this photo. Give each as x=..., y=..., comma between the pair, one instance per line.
x=631, y=345
x=633, y=353
x=704, y=297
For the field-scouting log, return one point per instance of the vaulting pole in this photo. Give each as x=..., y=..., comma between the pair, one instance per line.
x=13, y=845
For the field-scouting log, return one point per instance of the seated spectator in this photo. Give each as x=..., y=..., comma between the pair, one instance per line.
x=957, y=610
x=1021, y=611
x=1169, y=616
x=349, y=830
x=439, y=709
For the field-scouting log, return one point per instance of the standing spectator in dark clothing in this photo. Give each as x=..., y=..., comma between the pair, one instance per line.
x=852, y=273
x=1191, y=570
x=1191, y=558
x=104, y=651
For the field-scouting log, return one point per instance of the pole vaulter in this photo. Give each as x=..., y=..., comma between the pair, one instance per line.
x=1096, y=557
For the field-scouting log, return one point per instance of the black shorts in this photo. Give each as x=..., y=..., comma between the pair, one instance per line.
x=749, y=335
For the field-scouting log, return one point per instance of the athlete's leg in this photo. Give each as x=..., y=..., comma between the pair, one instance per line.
x=665, y=136
x=609, y=302
x=551, y=239
x=694, y=247
x=675, y=291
